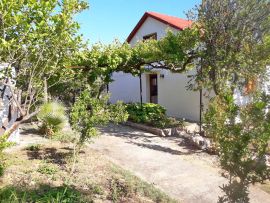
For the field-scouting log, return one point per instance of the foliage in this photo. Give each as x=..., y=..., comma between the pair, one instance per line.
x=241, y=134
x=151, y=114
x=4, y=143
x=146, y=112
x=53, y=117
x=37, y=38
x=47, y=169
x=89, y=112
x=43, y=194
x=233, y=53
x=233, y=43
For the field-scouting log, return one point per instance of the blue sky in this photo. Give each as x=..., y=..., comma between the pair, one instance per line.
x=107, y=20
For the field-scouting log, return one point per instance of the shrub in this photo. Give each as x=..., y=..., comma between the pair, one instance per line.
x=89, y=112
x=151, y=114
x=3, y=144
x=146, y=112
x=53, y=118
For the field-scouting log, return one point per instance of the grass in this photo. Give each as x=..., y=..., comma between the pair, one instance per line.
x=126, y=184
x=41, y=173
x=33, y=147
x=47, y=169
x=44, y=193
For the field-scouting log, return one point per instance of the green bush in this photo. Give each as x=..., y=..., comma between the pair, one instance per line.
x=4, y=143
x=88, y=112
x=151, y=114
x=44, y=194
x=53, y=118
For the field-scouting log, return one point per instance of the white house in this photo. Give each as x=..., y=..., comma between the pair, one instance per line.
x=160, y=86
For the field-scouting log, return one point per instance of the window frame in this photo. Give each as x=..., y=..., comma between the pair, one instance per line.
x=150, y=36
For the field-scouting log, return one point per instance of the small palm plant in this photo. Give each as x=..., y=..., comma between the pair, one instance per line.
x=53, y=118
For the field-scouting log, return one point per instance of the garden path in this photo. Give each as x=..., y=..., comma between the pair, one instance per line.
x=170, y=163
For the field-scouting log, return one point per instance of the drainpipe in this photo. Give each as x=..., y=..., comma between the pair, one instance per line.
x=201, y=111
x=107, y=88
x=140, y=87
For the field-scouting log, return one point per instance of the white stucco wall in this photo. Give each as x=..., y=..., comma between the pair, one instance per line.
x=125, y=88
x=150, y=26
x=172, y=92
x=174, y=96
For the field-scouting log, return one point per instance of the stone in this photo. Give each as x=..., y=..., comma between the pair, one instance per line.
x=201, y=142
x=267, y=160
x=167, y=131
x=192, y=128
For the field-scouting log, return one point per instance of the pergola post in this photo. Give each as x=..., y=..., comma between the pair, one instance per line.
x=140, y=76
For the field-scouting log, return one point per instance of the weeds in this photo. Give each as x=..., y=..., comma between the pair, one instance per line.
x=47, y=169
x=43, y=194
x=34, y=147
x=66, y=137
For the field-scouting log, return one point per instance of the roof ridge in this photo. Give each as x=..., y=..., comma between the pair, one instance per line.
x=154, y=12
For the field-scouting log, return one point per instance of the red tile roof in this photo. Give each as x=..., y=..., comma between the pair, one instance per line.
x=175, y=22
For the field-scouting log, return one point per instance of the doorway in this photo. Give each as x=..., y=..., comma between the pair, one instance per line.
x=153, y=84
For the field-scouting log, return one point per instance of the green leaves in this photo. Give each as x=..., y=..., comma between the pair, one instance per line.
x=151, y=114
x=88, y=112
x=38, y=38
x=53, y=118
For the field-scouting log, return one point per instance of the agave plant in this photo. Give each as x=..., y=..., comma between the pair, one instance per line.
x=53, y=117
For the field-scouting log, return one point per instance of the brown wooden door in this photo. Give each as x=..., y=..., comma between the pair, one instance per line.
x=153, y=88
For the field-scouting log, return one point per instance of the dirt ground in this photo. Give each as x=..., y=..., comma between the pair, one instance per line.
x=170, y=163
x=39, y=163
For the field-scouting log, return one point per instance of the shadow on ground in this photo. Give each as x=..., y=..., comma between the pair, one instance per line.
x=234, y=192
x=182, y=145
x=32, y=130
x=51, y=154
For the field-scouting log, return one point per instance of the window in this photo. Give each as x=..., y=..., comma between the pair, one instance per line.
x=150, y=36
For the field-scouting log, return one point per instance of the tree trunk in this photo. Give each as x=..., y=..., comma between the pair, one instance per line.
x=17, y=123
x=45, y=91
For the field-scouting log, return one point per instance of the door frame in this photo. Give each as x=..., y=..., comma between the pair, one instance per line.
x=153, y=76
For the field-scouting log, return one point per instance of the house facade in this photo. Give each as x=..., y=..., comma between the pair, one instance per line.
x=159, y=86
x=162, y=86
